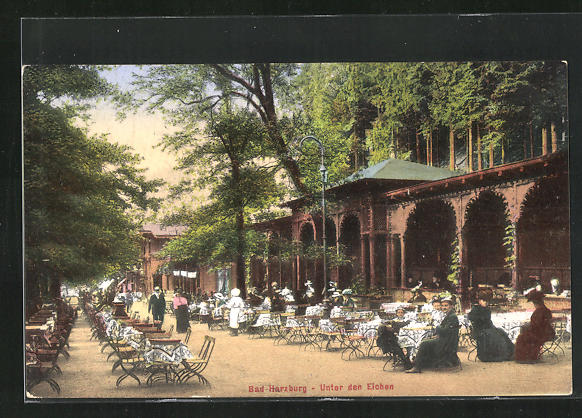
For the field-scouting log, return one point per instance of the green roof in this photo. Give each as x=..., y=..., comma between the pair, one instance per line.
x=393, y=169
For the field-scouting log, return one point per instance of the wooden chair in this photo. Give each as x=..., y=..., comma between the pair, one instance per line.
x=195, y=366
x=555, y=347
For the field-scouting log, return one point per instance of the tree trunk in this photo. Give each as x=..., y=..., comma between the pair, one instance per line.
x=491, y=161
x=554, y=137
x=531, y=140
x=417, y=147
x=524, y=147
x=436, y=159
x=451, y=148
x=266, y=109
x=240, y=233
x=396, y=142
x=431, y=146
x=427, y=149
x=479, y=150
x=544, y=140
x=55, y=287
x=470, y=148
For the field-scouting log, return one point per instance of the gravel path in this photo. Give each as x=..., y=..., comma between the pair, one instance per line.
x=240, y=364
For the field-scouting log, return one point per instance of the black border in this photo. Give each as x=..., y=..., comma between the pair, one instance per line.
x=301, y=39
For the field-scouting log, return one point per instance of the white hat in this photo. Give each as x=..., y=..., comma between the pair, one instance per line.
x=157, y=288
x=218, y=296
x=235, y=292
x=347, y=292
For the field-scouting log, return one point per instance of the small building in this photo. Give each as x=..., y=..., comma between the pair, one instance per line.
x=154, y=237
x=156, y=271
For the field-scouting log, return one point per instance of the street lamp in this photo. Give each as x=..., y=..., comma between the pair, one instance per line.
x=323, y=172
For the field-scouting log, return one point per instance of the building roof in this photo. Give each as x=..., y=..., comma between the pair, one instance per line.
x=542, y=165
x=158, y=230
x=394, y=169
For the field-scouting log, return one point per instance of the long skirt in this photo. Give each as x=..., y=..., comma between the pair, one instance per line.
x=493, y=344
x=233, y=317
x=528, y=347
x=435, y=353
x=182, y=323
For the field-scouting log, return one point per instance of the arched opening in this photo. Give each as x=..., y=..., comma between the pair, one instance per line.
x=430, y=232
x=350, y=239
x=274, y=259
x=543, y=233
x=486, y=219
x=307, y=269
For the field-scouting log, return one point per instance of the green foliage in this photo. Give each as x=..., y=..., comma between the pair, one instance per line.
x=455, y=264
x=231, y=162
x=358, y=285
x=509, y=243
x=79, y=191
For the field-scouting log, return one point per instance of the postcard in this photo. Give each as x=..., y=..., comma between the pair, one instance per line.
x=272, y=225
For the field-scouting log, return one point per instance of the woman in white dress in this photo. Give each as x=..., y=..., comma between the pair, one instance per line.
x=236, y=305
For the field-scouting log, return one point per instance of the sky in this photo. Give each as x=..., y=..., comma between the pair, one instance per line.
x=141, y=131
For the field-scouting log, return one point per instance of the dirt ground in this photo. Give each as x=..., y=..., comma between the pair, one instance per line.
x=240, y=363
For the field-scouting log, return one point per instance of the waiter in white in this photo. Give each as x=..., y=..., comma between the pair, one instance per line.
x=235, y=304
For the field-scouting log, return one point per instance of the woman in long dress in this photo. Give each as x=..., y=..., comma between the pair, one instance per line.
x=236, y=305
x=180, y=304
x=536, y=333
x=493, y=344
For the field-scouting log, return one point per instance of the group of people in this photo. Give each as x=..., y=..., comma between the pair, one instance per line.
x=492, y=343
x=440, y=350
x=157, y=307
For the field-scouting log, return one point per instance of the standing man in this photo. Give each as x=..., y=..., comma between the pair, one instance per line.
x=157, y=305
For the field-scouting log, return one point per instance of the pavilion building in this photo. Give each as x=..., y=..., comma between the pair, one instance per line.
x=400, y=220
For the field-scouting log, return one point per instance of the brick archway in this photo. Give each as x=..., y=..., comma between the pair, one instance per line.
x=484, y=235
x=430, y=233
x=350, y=236
x=543, y=233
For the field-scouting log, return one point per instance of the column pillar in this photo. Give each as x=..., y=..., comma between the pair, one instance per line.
x=389, y=279
x=298, y=271
x=402, y=261
x=372, y=246
x=363, y=256
x=517, y=255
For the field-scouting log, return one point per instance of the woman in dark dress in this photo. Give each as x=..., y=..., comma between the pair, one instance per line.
x=442, y=350
x=493, y=344
x=536, y=333
x=181, y=311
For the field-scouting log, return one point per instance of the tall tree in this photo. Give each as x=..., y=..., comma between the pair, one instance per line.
x=193, y=90
x=231, y=162
x=79, y=191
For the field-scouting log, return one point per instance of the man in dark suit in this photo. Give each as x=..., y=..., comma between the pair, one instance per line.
x=157, y=305
x=440, y=351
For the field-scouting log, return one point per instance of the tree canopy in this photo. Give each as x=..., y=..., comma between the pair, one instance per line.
x=80, y=192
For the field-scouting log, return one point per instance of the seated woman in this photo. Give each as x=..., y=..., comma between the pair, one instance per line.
x=440, y=351
x=536, y=333
x=278, y=303
x=493, y=344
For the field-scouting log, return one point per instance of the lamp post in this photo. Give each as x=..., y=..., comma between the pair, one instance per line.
x=323, y=172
